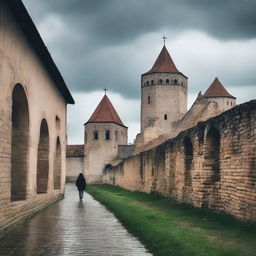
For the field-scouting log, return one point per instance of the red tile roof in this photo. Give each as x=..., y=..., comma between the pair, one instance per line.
x=105, y=113
x=164, y=63
x=216, y=89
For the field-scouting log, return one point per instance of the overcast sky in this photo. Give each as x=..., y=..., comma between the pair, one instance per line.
x=110, y=43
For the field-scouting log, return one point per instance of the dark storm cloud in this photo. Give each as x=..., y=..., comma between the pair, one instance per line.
x=114, y=21
x=92, y=50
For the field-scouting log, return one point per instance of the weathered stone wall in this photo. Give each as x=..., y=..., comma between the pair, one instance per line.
x=32, y=126
x=125, y=151
x=75, y=166
x=210, y=165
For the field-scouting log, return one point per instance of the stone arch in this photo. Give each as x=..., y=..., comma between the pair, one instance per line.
x=19, y=143
x=43, y=159
x=57, y=165
x=188, y=159
x=212, y=154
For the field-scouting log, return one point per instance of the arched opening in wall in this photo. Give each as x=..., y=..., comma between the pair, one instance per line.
x=147, y=82
x=19, y=144
x=95, y=135
x=188, y=159
x=167, y=81
x=107, y=135
x=175, y=81
x=43, y=159
x=152, y=81
x=161, y=81
x=149, y=99
x=212, y=154
x=165, y=116
x=57, y=165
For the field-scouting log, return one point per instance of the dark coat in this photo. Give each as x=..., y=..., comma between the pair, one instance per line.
x=80, y=182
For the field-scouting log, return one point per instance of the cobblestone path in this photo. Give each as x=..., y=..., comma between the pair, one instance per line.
x=70, y=228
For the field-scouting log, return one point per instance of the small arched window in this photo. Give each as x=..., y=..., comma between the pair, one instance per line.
x=161, y=81
x=147, y=82
x=107, y=135
x=149, y=100
x=165, y=117
x=57, y=122
x=175, y=81
x=227, y=103
x=96, y=135
x=152, y=81
x=167, y=81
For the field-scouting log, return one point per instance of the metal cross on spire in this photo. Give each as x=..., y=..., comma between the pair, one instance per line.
x=105, y=90
x=164, y=37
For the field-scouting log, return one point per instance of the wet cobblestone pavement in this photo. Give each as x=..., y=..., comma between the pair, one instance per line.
x=70, y=228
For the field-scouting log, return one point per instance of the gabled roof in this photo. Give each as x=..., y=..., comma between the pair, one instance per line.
x=29, y=29
x=105, y=113
x=216, y=89
x=164, y=63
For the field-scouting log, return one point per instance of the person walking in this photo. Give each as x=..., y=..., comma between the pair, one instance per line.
x=81, y=185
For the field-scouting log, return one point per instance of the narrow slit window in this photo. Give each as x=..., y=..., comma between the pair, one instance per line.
x=107, y=135
x=165, y=117
x=96, y=135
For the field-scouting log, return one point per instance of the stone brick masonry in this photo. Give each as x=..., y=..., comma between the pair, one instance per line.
x=211, y=165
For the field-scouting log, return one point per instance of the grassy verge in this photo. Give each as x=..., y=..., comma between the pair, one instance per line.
x=167, y=228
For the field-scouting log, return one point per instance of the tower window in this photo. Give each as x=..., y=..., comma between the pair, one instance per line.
x=175, y=81
x=148, y=99
x=165, y=117
x=96, y=135
x=152, y=81
x=227, y=103
x=167, y=81
x=160, y=81
x=147, y=82
x=107, y=135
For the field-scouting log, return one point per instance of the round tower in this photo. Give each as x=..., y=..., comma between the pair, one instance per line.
x=103, y=132
x=163, y=96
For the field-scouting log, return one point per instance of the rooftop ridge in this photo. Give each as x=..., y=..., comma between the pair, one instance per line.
x=163, y=63
x=105, y=113
x=216, y=89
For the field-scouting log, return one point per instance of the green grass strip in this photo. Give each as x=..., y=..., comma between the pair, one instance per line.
x=167, y=228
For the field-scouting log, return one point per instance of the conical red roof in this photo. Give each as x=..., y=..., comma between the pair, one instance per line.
x=105, y=113
x=164, y=63
x=216, y=89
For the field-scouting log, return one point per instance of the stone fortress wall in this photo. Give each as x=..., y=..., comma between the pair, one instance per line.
x=212, y=164
x=32, y=119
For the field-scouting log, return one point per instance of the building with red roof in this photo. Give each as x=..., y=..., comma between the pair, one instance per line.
x=103, y=133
